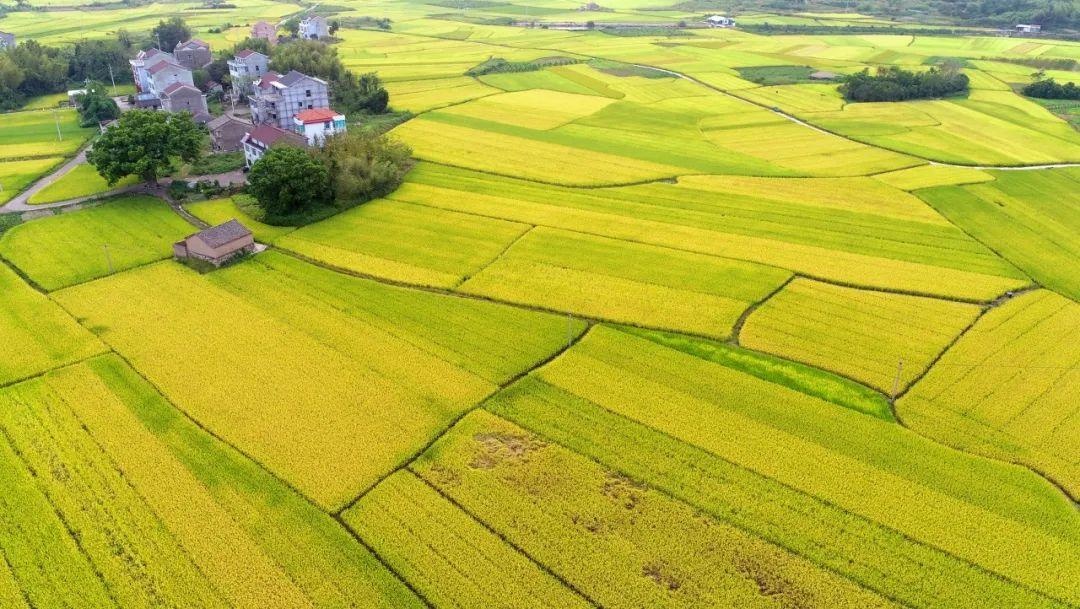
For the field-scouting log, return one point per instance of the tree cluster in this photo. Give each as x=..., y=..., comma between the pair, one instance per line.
x=95, y=105
x=1051, y=89
x=352, y=94
x=33, y=69
x=895, y=84
x=143, y=142
x=291, y=183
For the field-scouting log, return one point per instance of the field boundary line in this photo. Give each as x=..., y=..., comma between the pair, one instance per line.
x=371, y=550
x=736, y=329
x=512, y=243
x=466, y=412
x=543, y=567
x=810, y=496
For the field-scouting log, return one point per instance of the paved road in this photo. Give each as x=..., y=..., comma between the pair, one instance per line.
x=18, y=203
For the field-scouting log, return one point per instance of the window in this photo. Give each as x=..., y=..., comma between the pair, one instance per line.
x=307, y=93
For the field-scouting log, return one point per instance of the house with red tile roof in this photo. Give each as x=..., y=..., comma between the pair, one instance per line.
x=318, y=124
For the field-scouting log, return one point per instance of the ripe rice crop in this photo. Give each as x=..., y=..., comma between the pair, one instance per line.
x=218, y=211
x=795, y=98
x=871, y=554
x=619, y=542
x=626, y=282
x=403, y=242
x=929, y=176
x=534, y=109
x=318, y=364
x=814, y=239
x=17, y=175
x=32, y=134
x=82, y=181
x=451, y=558
x=1008, y=388
x=71, y=248
x=1031, y=218
x=427, y=94
x=213, y=529
x=861, y=334
x=39, y=334
x=857, y=463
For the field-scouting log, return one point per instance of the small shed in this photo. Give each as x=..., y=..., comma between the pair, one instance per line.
x=216, y=245
x=824, y=75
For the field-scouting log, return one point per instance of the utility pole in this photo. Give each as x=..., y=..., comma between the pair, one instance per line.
x=896, y=381
x=108, y=258
x=56, y=117
x=113, y=80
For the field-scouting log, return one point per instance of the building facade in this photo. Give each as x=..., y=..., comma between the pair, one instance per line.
x=179, y=97
x=277, y=99
x=216, y=245
x=246, y=68
x=140, y=66
x=193, y=54
x=165, y=73
x=313, y=28
x=227, y=133
x=7, y=41
x=265, y=137
x=265, y=31
x=318, y=124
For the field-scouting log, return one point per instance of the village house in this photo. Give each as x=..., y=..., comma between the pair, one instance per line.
x=264, y=31
x=720, y=21
x=140, y=66
x=193, y=54
x=277, y=99
x=165, y=73
x=1025, y=28
x=318, y=124
x=7, y=41
x=265, y=137
x=227, y=133
x=216, y=245
x=180, y=97
x=314, y=28
x=245, y=68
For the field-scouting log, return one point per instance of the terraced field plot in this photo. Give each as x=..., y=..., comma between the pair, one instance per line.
x=864, y=335
x=79, y=246
x=365, y=365
x=1008, y=388
x=33, y=134
x=409, y=243
x=17, y=175
x=123, y=502
x=218, y=211
x=82, y=181
x=885, y=238
x=41, y=334
x=1030, y=218
x=626, y=282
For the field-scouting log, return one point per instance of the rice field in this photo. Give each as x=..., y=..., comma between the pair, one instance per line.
x=36, y=134
x=82, y=181
x=365, y=364
x=79, y=246
x=18, y=175
x=218, y=211
x=883, y=340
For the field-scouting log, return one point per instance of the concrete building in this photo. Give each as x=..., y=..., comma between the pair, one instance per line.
x=216, y=245
x=265, y=31
x=165, y=73
x=140, y=66
x=227, y=133
x=193, y=54
x=278, y=98
x=1026, y=28
x=318, y=124
x=265, y=137
x=180, y=97
x=245, y=68
x=313, y=28
x=7, y=41
x=720, y=21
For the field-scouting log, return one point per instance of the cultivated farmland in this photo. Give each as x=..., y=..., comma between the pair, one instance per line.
x=656, y=318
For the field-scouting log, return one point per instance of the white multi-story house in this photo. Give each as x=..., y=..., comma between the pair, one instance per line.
x=140, y=66
x=246, y=68
x=277, y=99
x=165, y=73
x=318, y=124
x=313, y=28
x=264, y=137
x=7, y=41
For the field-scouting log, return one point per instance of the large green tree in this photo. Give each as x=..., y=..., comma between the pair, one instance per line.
x=95, y=105
x=364, y=165
x=287, y=181
x=142, y=143
x=171, y=32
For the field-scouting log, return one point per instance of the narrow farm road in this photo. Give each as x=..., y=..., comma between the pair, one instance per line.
x=19, y=202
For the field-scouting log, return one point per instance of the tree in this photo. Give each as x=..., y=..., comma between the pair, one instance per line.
x=142, y=142
x=171, y=33
x=261, y=45
x=292, y=26
x=364, y=165
x=351, y=94
x=95, y=105
x=288, y=180
x=92, y=59
x=44, y=68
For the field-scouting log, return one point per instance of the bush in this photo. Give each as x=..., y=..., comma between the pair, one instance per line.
x=364, y=166
x=288, y=182
x=1051, y=89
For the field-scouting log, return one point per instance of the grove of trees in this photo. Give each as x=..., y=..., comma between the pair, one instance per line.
x=895, y=84
x=143, y=143
x=1049, y=88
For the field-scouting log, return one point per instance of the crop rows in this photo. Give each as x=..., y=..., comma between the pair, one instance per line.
x=626, y=282
x=317, y=364
x=1008, y=388
x=619, y=542
x=929, y=176
x=32, y=134
x=861, y=464
x=865, y=335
